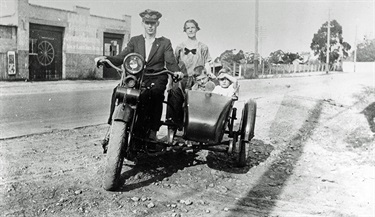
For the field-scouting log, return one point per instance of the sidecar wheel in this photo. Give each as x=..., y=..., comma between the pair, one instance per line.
x=115, y=159
x=243, y=153
x=247, y=127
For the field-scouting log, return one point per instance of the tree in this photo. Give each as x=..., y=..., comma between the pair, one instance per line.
x=366, y=51
x=280, y=56
x=229, y=57
x=289, y=57
x=276, y=57
x=249, y=57
x=338, y=48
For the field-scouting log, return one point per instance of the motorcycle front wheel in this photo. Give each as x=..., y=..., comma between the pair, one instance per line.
x=115, y=158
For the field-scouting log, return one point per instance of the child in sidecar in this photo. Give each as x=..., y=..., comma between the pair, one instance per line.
x=228, y=85
x=202, y=80
x=207, y=115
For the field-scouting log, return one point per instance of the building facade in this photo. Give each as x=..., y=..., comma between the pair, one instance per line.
x=41, y=43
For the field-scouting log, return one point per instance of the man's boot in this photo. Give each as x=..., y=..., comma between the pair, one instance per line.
x=152, y=136
x=171, y=134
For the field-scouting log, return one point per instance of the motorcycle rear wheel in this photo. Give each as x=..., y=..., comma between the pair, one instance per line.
x=115, y=158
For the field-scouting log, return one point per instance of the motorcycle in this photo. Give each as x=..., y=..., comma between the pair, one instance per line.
x=208, y=122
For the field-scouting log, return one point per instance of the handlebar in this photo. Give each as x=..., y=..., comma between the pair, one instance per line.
x=110, y=64
x=175, y=78
x=159, y=73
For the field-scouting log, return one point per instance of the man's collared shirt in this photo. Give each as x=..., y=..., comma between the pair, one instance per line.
x=148, y=46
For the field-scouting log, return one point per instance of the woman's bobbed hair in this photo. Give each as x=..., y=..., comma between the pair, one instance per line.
x=193, y=22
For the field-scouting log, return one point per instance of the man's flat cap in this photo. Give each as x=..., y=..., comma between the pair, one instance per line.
x=150, y=15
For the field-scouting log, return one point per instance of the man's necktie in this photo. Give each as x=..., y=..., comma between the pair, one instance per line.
x=187, y=51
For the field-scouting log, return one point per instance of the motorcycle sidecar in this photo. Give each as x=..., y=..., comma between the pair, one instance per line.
x=206, y=115
x=209, y=116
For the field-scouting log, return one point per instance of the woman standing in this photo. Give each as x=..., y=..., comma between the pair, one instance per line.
x=189, y=54
x=192, y=53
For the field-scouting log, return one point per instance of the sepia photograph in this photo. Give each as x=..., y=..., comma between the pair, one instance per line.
x=186, y=108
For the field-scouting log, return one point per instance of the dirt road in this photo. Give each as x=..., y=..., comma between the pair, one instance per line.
x=312, y=156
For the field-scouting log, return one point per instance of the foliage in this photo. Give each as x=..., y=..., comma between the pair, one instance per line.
x=337, y=45
x=276, y=57
x=229, y=57
x=366, y=51
x=279, y=56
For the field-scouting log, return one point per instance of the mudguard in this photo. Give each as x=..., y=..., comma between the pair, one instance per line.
x=128, y=99
x=206, y=115
x=123, y=112
x=248, y=120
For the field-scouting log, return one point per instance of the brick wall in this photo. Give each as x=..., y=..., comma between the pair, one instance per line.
x=82, y=38
x=8, y=42
x=81, y=66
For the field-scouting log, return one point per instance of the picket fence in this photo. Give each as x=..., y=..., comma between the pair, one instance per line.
x=294, y=68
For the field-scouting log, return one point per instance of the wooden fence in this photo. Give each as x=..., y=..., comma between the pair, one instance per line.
x=247, y=70
x=293, y=68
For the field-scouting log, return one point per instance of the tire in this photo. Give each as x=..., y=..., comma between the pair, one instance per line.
x=243, y=153
x=247, y=132
x=115, y=158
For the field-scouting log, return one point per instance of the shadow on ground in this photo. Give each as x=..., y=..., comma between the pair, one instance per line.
x=264, y=195
x=369, y=113
x=149, y=170
x=258, y=152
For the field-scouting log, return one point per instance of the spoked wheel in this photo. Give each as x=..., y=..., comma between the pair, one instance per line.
x=46, y=53
x=246, y=132
x=115, y=158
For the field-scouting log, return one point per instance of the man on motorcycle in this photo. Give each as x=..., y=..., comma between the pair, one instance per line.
x=158, y=54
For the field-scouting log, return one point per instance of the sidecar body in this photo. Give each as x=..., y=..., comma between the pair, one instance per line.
x=206, y=116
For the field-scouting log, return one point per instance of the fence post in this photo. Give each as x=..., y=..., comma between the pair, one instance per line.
x=263, y=68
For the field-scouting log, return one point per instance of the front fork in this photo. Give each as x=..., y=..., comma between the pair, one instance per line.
x=125, y=112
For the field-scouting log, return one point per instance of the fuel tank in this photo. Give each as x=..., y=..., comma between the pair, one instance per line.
x=206, y=116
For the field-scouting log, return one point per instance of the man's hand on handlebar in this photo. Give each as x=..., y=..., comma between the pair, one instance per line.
x=99, y=61
x=178, y=76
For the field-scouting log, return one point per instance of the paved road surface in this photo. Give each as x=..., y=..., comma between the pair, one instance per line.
x=35, y=107
x=28, y=108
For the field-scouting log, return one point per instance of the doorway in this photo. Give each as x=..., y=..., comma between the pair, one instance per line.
x=45, y=52
x=112, y=47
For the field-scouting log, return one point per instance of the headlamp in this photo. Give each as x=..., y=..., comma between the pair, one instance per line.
x=133, y=63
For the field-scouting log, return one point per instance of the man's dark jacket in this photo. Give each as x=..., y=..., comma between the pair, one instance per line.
x=161, y=55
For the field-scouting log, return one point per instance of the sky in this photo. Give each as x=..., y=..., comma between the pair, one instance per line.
x=288, y=25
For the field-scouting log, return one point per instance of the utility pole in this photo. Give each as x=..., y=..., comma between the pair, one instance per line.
x=328, y=39
x=355, y=48
x=256, y=58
